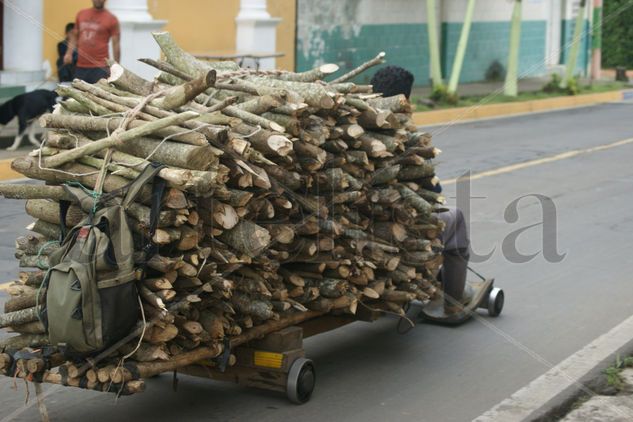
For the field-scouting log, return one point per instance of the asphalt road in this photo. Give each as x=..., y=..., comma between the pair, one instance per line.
x=368, y=372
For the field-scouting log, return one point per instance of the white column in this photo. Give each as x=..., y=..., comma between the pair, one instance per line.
x=256, y=31
x=22, y=46
x=137, y=42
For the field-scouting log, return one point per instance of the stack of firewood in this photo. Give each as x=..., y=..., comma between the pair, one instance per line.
x=288, y=198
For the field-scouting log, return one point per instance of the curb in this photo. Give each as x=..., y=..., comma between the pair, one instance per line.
x=552, y=394
x=6, y=173
x=430, y=118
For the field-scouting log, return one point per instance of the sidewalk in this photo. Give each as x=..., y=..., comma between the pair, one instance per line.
x=616, y=407
x=484, y=88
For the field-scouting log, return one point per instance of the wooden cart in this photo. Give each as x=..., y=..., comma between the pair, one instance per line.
x=277, y=361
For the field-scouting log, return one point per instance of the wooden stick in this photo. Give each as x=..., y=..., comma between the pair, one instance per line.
x=117, y=138
x=379, y=59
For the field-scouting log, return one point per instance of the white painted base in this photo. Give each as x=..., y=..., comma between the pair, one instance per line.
x=137, y=43
x=22, y=77
x=257, y=36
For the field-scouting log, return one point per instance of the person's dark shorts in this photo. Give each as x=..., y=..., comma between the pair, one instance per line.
x=91, y=74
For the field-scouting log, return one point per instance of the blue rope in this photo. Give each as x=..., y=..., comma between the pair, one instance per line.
x=94, y=195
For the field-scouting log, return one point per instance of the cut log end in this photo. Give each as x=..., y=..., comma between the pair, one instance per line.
x=329, y=68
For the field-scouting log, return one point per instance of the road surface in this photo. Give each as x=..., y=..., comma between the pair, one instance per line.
x=368, y=372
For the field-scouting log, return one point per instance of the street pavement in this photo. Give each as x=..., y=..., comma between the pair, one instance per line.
x=369, y=372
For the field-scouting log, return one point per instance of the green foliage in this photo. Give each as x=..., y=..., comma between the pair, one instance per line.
x=613, y=372
x=617, y=34
x=554, y=86
x=441, y=95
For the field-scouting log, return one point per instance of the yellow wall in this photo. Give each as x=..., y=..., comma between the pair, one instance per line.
x=57, y=13
x=197, y=25
x=286, y=10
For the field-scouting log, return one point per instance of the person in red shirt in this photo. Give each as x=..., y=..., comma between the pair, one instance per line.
x=94, y=29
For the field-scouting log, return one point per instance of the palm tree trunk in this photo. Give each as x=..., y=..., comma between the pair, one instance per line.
x=434, y=47
x=510, y=87
x=572, y=60
x=461, y=48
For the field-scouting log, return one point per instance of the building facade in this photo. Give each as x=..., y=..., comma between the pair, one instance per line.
x=352, y=31
x=309, y=33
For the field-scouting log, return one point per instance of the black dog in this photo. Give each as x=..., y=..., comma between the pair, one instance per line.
x=27, y=107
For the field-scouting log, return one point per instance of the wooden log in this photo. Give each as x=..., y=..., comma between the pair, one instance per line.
x=31, y=278
x=83, y=174
x=313, y=75
x=110, y=124
x=23, y=340
x=172, y=153
x=158, y=335
x=379, y=59
x=148, y=369
x=265, y=141
x=395, y=104
x=247, y=237
x=313, y=94
x=185, y=61
x=416, y=172
x=414, y=200
x=144, y=353
x=52, y=231
x=17, y=303
x=49, y=211
x=34, y=327
x=128, y=81
x=212, y=133
x=180, y=95
x=20, y=317
x=116, y=139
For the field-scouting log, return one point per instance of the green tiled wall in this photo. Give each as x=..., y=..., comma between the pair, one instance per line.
x=567, y=34
x=406, y=45
x=489, y=41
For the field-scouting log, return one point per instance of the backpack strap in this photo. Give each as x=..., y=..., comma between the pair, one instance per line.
x=146, y=176
x=63, y=212
x=158, y=188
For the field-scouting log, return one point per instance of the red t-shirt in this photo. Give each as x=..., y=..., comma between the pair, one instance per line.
x=94, y=29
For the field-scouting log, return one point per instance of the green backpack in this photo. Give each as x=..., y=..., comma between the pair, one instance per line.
x=89, y=298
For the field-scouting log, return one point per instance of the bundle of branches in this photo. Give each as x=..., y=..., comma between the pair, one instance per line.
x=288, y=198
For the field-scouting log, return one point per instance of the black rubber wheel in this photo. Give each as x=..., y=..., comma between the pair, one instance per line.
x=496, y=300
x=301, y=381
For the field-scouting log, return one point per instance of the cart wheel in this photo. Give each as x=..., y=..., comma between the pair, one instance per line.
x=496, y=299
x=301, y=380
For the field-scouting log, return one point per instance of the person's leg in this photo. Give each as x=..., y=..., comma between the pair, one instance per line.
x=456, y=254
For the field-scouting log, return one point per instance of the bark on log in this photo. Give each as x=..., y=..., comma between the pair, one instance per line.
x=110, y=124
x=20, y=302
x=23, y=340
x=116, y=139
x=182, y=94
x=379, y=59
x=247, y=238
x=126, y=80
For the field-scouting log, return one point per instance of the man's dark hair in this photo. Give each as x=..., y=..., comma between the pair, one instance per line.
x=393, y=80
x=70, y=26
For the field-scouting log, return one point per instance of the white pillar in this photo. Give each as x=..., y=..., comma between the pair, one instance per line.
x=137, y=42
x=22, y=46
x=256, y=31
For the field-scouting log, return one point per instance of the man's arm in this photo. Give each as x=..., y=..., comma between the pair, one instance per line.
x=116, y=47
x=72, y=44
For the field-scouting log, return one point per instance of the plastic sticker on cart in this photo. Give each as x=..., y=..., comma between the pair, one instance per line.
x=268, y=359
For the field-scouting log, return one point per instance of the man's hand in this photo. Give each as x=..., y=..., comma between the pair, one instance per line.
x=68, y=57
